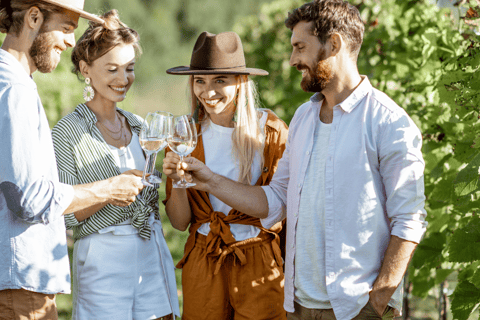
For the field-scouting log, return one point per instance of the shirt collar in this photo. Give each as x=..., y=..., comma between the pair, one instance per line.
x=352, y=100
x=17, y=68
x=91, y=118
x=358, y=94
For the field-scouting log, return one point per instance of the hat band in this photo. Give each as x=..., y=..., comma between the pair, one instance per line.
x=219, y=68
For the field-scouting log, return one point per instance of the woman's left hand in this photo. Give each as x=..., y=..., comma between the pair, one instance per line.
x=169, y=166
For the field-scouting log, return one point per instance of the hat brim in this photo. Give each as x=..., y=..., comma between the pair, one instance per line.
x=186, y=70
x=82, y=13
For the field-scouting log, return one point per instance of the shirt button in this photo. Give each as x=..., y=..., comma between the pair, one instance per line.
x=299, y=185
x=308, y=152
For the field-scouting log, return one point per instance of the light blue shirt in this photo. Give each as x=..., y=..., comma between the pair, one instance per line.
x=33, y=248
x=373, y=189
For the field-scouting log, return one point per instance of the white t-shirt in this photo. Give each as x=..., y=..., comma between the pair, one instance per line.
x=310, y=284
x=128, y=158
x=217, y=142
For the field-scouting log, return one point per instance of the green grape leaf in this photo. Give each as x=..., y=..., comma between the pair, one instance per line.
x=465, y=298
x=465, y=243
x=429, y=250
x=467, y=180
x=476, y=278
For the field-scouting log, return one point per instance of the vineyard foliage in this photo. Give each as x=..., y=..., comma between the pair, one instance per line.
x=428, y=63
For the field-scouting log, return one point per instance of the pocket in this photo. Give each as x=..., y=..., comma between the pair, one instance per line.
x=368, y=313
x=374, y=310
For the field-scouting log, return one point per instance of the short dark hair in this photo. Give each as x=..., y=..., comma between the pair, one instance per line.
x=12, y=13
x=99, y=39
x=330, y=16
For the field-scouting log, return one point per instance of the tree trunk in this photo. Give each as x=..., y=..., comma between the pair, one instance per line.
x=406, y=292
x=443, y=301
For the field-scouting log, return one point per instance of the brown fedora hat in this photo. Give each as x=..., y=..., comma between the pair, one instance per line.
x=76, y=6
x=217, y=54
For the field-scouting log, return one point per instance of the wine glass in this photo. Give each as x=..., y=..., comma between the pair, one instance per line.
x=153, y=138
x=182, y=141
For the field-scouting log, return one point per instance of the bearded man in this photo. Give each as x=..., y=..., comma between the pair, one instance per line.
x=351, y=178
x=34, y=263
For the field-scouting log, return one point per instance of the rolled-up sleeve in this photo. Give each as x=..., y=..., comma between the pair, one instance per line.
x=67, y=170
x=276, y=191
x=26, y=161
x=401, y=168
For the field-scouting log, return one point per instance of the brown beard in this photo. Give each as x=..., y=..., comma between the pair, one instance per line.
x=41, y=52
x=319, y=79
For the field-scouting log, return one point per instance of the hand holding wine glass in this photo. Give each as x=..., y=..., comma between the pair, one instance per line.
x=153, y=138
x=182, y=141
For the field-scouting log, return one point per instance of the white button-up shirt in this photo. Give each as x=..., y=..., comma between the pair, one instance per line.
x=373, y=189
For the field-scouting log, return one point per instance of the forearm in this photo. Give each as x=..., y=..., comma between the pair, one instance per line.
x=395, y=262
x=178, y=209
x=88, y=199
x=248, y=199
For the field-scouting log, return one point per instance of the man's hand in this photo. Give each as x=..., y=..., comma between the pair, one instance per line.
x=379, y=302
x=124, y=188
x=395, y=262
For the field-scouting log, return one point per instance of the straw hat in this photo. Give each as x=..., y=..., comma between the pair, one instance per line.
x=217, y=54
x=76, y=6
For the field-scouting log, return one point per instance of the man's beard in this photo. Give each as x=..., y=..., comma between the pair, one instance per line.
x=318, y=80
x=41, y=52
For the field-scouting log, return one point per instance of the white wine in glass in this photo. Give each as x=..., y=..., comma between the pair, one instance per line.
x=182, y=141
x=153, y=138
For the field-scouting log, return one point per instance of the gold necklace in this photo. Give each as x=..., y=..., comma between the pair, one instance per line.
x=114, y=132
x=121, y=131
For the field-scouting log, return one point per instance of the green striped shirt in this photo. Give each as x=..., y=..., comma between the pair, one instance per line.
x=83, y=156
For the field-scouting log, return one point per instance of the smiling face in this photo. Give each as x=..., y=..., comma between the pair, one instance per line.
x=54, y=37
x=309, y=57
x=217, y=94
x=112, y=74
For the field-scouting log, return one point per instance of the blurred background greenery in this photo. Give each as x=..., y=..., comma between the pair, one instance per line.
x=410, y=50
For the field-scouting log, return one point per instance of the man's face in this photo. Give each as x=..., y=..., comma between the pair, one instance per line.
x=309, y=57
x=53, y=38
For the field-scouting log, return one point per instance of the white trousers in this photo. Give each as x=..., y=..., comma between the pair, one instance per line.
x=118, y=275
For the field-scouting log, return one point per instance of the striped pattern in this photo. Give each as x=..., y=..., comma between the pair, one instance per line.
x=83, y=157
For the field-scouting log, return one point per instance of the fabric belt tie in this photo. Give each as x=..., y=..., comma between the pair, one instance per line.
x=219, y=231
x=139, y=212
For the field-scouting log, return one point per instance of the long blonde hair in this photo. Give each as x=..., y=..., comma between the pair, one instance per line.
x=247, y=136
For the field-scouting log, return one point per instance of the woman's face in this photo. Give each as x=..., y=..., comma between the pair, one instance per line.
x=112, y=74
x=216, y=93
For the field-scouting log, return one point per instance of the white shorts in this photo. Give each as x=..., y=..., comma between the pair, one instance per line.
x=118, y=275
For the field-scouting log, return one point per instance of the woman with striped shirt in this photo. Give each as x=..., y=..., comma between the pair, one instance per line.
x=122, y=268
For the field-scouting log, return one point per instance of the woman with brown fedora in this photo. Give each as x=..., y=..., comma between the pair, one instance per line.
x=232, y=264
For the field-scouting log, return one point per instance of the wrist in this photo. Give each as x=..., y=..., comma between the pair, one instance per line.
x=101, y=191
x=213, y=183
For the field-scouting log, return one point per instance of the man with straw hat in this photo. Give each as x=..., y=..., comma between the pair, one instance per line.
x=34, y=263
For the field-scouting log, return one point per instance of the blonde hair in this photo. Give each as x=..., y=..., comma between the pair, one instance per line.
x=247, y=136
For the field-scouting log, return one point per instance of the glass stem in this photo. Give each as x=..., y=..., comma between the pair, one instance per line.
x=153, y=159
x=183, y=181
x=147, y=166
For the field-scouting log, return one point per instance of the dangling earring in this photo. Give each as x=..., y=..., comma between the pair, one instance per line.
x=88, y=92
